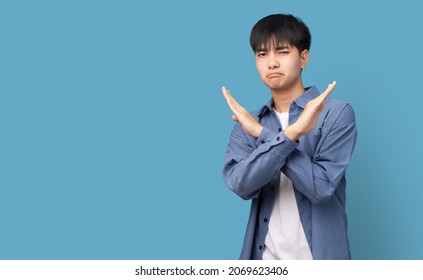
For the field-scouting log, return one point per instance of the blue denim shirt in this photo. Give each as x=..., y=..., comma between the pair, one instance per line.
x=316, y=165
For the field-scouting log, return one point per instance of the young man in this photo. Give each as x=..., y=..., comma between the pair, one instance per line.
x=290, y=156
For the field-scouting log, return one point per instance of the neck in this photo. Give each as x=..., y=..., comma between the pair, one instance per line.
x=283, y=98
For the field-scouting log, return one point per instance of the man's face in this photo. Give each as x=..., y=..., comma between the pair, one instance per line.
x=279, y=65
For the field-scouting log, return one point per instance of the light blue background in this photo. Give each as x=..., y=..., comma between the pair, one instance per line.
x=113, y=127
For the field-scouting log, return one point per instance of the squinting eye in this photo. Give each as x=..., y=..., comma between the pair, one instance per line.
x=261, y=54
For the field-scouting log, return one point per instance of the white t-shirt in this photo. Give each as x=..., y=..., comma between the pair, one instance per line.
x=285, y=239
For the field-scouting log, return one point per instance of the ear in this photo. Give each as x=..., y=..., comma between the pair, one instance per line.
x=304, y=58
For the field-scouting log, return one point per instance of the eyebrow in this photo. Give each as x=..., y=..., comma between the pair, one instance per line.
x=278, y=48
x=283, y=47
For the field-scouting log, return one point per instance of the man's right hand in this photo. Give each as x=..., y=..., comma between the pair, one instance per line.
x=247, y=121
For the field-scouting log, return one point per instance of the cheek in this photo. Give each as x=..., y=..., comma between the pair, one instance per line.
x=261, y=69
x=295, y=66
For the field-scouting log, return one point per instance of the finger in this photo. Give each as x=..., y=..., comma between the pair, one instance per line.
x=232, y=99
x=233, y=104
x=228, y=97
x=235, y=118
x=318, y=102
x=225, y=93
x=328, y=91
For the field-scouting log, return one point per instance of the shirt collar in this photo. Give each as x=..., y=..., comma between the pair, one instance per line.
x=301, y=101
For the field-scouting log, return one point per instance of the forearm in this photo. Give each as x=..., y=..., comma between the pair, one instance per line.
x=318, y=176
x=292, y=133
x=310, y=178
x=246, y=171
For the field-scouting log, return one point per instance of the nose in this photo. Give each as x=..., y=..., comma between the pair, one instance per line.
x=272, y=62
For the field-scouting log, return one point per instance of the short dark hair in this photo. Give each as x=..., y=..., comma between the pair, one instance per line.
x=282, y=29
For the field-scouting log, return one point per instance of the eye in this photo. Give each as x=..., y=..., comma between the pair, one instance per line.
x=261, y=54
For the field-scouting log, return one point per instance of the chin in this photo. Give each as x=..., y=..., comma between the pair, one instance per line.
x=276, y=87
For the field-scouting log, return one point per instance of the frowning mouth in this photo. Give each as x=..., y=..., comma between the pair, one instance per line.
x=273, y=75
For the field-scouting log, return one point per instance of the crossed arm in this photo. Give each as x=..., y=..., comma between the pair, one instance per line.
x=249, y=165
x=305, y=123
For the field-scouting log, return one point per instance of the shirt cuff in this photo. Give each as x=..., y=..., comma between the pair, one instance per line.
x=270, y=138
x=265, y=136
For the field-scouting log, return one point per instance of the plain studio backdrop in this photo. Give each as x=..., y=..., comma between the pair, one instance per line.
x=113, y=126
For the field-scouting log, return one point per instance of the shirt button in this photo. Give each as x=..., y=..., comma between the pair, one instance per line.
x=265, y=220
x=262, y=141
x=260, y=247
x=278, y=138
x=280, y=129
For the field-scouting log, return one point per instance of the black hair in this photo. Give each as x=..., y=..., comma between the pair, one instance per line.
x=282, y=29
